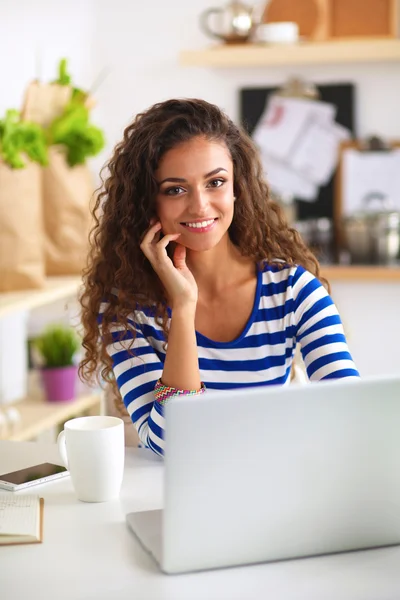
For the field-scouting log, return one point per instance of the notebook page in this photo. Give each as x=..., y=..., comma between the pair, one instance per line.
x=19, y=514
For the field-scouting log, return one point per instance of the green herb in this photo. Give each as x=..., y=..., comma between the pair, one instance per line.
x=57, y=346
x=73, y=129
x=21, y=137
x=64, y=78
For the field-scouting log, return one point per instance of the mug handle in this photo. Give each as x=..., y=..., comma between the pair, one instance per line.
x=62, y=448
x=204, y=22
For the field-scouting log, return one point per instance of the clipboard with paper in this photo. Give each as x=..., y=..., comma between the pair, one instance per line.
x=368, y=177
x=252, y=104
x=367, y=185
x=298, y=139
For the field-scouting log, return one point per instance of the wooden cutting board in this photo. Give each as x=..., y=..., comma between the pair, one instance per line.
x=333, y=19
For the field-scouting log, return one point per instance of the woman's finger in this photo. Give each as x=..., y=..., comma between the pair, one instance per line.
x=160, y=249
x=163, y=243
x=179, y=256
x=155, y=250
x=151, y=237
x=151, y=232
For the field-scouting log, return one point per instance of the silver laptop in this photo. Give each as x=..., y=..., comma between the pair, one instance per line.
x=269, y=473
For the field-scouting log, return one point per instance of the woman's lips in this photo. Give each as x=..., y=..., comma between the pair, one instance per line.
x=200, y=226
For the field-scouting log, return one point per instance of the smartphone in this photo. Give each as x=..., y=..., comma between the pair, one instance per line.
x=23, y=478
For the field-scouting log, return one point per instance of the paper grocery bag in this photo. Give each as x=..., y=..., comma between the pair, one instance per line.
x=44, y=102
x=22, y=263
x=67, y=192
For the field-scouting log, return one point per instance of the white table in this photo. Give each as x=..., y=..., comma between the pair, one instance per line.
x=89, y=553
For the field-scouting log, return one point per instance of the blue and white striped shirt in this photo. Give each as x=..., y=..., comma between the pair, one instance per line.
x=291, y=306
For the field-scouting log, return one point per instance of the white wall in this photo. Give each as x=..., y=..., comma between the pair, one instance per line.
x=141, y=47
x=371, y=318
x=138, y=43
x=34, y=35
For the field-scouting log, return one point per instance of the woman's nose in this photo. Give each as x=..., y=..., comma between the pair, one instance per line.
x=198, y=203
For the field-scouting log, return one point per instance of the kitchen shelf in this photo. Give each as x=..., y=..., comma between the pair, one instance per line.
x=38, y=415
x=304, y=53
x=359, y=273
x=56, y=288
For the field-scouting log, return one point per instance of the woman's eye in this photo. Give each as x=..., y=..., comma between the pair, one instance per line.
x=215, y=183
x=173, y=191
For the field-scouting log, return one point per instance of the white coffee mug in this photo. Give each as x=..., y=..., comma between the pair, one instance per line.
x=285, y=32
x=93, y=450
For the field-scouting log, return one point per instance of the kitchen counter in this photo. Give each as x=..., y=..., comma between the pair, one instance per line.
x=367, y=273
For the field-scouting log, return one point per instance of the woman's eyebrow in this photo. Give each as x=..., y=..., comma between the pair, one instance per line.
x=211, y=173
x=181, y=180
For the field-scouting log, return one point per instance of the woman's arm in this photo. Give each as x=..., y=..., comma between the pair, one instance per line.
x=181, y=369
x=137, y=375
x=136, y=370
x=319, y=330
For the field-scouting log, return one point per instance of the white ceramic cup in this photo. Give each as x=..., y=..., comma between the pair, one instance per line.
x=284, y=32
x=93, y=450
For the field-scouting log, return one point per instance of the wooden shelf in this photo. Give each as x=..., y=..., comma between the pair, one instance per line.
x=262, y=55
x=56, y=288
x=38, y=416
x=359, y=273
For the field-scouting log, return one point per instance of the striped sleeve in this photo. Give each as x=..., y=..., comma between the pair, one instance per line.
x=136, y=370
x=319, y=330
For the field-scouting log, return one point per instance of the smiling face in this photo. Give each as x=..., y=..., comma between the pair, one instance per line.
x=195, y=195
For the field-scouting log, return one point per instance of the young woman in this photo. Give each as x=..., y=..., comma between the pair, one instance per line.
x=195, y=281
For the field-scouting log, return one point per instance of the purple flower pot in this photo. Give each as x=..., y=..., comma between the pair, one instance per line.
x=60, y=383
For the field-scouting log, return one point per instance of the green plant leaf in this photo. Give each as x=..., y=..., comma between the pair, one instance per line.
x=18, y=138
x=57, y=345
x=73, y=130
x=64, y=78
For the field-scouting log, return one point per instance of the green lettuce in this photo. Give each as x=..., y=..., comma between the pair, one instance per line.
x=73, y=129
x=19, y=138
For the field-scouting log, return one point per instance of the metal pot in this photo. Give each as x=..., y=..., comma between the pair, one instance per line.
x=235, y=22
x=372, y=235
x=373, y=238
x=385, y=230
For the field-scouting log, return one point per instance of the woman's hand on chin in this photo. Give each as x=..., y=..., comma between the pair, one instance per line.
x=177, y=279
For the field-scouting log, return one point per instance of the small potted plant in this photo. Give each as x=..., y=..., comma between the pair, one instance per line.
x=57, y=347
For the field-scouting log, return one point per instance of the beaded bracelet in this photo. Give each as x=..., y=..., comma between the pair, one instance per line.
x=164, y=392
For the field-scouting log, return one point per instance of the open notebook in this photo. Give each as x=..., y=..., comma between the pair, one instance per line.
x=21, y=519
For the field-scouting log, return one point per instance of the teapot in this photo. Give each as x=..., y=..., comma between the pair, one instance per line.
x=235, y=22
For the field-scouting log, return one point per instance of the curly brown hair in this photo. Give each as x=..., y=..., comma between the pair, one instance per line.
x=126, y=203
